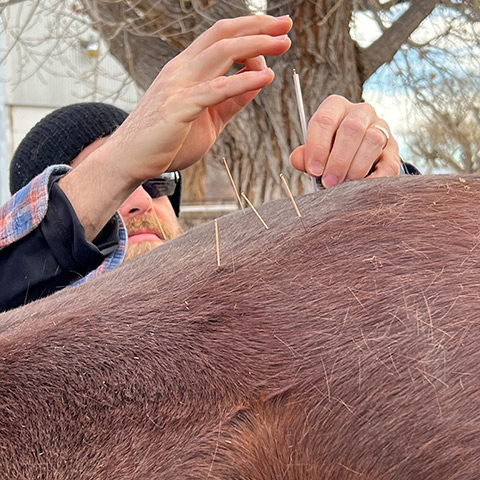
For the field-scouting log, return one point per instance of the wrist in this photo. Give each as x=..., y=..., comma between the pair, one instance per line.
x=96, y=188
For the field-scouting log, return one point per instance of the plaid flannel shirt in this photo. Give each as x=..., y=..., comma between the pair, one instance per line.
x=27, y=208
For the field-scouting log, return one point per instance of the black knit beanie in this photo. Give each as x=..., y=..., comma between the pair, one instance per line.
x=61, y=136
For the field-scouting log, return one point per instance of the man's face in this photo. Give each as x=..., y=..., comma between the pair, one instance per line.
x=150, y=221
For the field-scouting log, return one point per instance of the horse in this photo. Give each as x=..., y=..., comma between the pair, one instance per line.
x=339, y=344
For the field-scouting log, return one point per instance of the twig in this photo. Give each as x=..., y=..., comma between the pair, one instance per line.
x=300, y=106
x=217, y=242
x=290, y=195
x=233, y=184
x=254, y=209
x=301, y=114
x=156, y=218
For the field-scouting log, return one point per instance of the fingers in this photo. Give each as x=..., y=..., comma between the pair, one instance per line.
x=389, y=162
x=240, y=27
x=190, y=83
x=226, y=110
x=321, y=133
x=203, y=75
x=255, y=63
x=190, y=101
x=229, y=41
x=218, y=58
x=344, y=141
x=369, y=152
x=242, y=88
x=297, y=159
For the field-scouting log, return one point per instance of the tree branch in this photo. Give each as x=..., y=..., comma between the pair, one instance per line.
x=144, y=39
x=377, y=6
x=384, y=48
x=8, y=3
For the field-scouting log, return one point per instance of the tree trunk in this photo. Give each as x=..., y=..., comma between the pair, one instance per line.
x=257, y=143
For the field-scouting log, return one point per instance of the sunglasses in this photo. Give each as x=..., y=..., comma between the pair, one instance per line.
x=164, y=184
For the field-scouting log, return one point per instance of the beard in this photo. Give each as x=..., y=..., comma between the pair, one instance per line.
x=139, y=249
x=168, y=231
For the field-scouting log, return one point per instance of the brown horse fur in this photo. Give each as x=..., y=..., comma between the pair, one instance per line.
x=343, y=345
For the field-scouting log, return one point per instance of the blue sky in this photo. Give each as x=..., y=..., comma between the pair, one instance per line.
x=384, y=89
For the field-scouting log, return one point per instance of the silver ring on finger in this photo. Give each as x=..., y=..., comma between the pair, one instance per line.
x=384, y=131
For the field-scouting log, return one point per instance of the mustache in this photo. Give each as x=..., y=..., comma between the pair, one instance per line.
x=149, y=222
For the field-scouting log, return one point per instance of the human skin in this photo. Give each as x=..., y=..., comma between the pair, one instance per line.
x=149, y=221
x=340, y=136
x=342, y=144
x=179, y=117
x=190, y=102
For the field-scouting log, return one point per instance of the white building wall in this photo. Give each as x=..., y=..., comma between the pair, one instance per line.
x=22, y=119
x=51, y=67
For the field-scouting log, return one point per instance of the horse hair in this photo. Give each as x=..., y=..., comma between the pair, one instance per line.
x=340, y=345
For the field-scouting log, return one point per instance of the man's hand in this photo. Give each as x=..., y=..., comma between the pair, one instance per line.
x=191, y=100
x=343, y=144
x=179, y=117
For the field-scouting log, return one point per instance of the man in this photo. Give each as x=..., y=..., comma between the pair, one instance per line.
x=67, y=224
x=67, y=136
x=173, y=126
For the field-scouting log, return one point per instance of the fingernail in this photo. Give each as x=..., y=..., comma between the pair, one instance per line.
x=329, y=180
x=283, y=16
x=316, y=168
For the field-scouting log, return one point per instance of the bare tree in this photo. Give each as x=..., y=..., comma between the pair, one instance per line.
x=439, y=72
x=145, y=34
x=329, y=61
x=447, y=133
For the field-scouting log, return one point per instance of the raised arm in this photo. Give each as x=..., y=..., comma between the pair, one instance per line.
x=180, y=116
